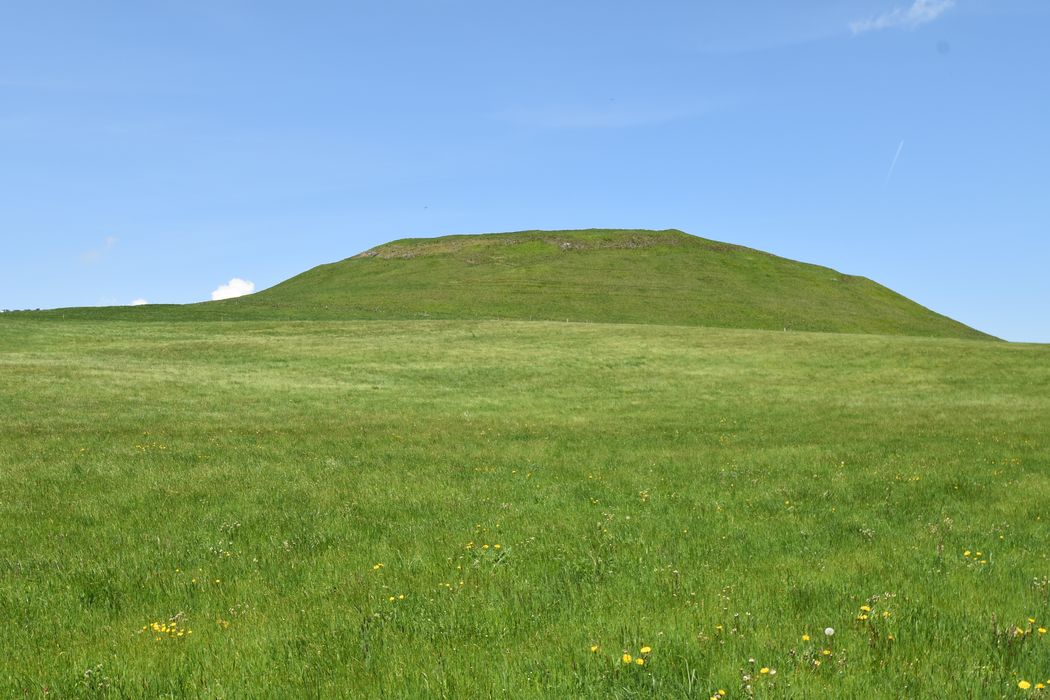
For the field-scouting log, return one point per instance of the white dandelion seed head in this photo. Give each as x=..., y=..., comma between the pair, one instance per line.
x=829, y=631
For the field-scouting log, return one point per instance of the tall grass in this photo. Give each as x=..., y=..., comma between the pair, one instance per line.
x=546, y=497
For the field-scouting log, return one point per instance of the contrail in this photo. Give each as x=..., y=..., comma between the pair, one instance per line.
x=894, y=163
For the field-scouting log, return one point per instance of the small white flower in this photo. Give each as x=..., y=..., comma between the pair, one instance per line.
x=829, y=631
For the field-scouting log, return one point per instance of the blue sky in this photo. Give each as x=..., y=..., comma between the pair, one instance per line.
x=157, y=150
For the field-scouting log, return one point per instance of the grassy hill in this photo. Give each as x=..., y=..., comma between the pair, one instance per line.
x=621, y=276
x=281, y=504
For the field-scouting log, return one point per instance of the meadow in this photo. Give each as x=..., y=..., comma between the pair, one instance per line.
x=498, y=508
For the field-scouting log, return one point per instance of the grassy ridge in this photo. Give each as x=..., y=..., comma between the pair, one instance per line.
x=712, y=494
x=621, y=276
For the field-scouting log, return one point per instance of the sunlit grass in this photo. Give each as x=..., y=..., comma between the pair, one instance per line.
x=516, y=509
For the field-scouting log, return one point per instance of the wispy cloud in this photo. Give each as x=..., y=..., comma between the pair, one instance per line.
x=611, y=115
x=139, y=302
x=920, y=12
x=234, y=288
x=893, y=165
x=98, y=253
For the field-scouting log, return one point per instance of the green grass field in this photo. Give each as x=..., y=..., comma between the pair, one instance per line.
x=505, y=509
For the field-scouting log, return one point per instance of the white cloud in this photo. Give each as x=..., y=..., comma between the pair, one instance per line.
x=139, y=302
x=920, y=12
x=234, y=288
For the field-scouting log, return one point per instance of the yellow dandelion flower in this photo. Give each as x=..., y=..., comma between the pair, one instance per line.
x=640, y=661
x=966, y=553
x=763, y=670
x=805, y=638
x=1024, y=685
x=391, y=599
x=1031, y=620
x=627, y=658
x=1042, y=630
x=646, y=650
x=826, y=652
x=495, y=546
x=866, y=608
x=594, y=648
x=1039, y=686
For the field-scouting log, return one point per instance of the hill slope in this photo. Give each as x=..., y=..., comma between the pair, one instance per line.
x=666, y=277
x=621, y=276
